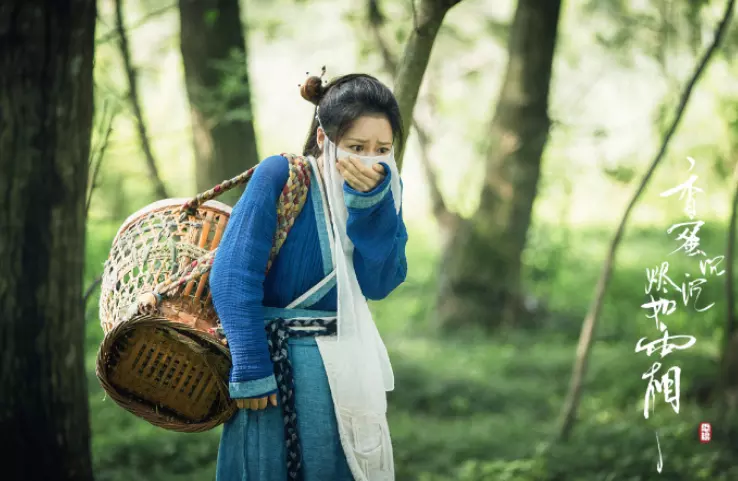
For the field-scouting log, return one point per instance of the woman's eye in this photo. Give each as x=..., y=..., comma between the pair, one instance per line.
x=356, y=148
x=384, y=150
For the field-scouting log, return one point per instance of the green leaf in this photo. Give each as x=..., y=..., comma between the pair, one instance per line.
x=498, y=30
x=211, y=16
x=620, y=174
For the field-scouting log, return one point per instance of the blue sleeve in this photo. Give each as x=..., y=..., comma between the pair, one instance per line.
x=379, y=237
x=237, y=279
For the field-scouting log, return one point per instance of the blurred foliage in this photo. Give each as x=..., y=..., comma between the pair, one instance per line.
x=472, y=408
x=659, y=29
x=228, y=102
x=475, y=409
x=621, y=174
x=672, y=33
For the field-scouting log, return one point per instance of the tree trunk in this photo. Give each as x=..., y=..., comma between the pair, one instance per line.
x=214, y=52
x=730, y=324
x=728, y=371
x=46, y=107
x=481, y=267
x=426, y=22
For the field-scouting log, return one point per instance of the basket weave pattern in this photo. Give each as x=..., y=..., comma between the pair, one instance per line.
x=163, y=362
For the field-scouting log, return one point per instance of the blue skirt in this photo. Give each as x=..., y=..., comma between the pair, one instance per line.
x=252, y=446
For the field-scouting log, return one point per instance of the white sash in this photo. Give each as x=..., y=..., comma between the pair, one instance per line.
x=356, y=360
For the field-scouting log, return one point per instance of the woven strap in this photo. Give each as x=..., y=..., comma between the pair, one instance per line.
x=279, y=331
x=190, y=207
x=290, y=204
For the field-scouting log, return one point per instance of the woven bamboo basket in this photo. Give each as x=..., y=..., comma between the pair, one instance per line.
x=163, y=357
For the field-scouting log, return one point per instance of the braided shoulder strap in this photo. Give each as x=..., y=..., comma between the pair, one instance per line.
x=291, y=202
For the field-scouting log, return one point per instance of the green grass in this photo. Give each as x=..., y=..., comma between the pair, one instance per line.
x=485, y=409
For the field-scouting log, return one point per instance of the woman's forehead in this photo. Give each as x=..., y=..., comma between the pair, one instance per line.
x=368, y=127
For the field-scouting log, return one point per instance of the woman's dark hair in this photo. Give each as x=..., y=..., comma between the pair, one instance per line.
x=344, y=100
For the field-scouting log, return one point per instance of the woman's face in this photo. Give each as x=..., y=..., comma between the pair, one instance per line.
x=369, y=135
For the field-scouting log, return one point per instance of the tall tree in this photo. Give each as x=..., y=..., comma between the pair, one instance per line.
x=216, y=75
x=481, y=267
x=727, y=383
x=46, y=107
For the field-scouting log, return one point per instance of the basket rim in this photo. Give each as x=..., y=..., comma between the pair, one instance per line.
x=161, y=204
x=152, y=415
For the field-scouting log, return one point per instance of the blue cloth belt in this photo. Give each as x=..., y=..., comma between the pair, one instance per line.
x=279, y=331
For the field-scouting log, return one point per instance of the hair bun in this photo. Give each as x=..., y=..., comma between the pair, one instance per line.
x=312, y=90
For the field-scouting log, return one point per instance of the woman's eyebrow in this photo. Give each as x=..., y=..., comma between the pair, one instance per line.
x=363, y=141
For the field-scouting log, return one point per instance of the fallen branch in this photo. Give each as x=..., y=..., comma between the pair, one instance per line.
x=574, y=394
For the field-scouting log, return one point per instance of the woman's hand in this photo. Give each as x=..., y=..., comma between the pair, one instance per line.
x=256, y=403
x=359, y=176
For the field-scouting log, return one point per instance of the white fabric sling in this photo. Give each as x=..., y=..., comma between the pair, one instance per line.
x=356, y=361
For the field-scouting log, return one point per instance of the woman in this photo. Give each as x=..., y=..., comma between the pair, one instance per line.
x=346, y=246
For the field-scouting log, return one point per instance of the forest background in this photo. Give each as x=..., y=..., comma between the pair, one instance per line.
x=543, y=136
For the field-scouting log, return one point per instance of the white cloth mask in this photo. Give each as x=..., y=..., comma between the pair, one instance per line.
x=365, y=159
x=389, y=159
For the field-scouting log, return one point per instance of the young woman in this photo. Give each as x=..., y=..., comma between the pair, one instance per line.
x=346, y=246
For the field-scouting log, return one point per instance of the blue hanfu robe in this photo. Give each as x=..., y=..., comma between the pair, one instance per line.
x=252, y=445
